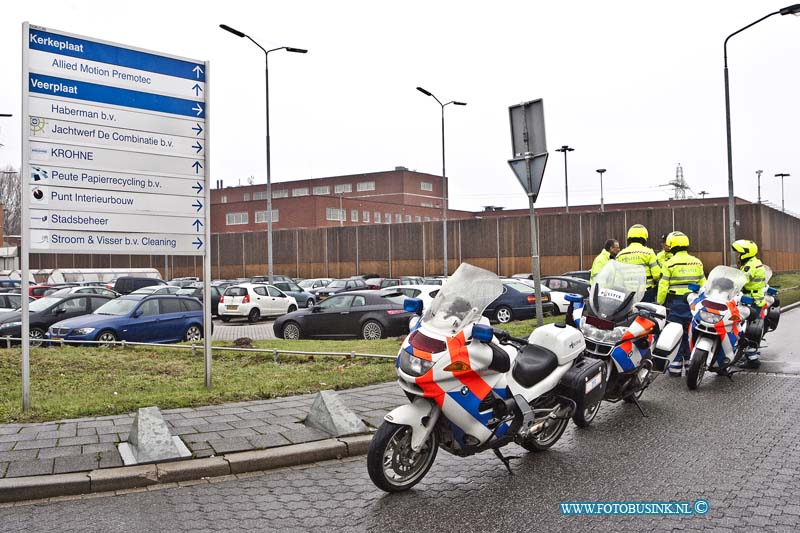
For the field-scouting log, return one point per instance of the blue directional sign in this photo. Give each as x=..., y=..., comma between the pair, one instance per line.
x=117, y=147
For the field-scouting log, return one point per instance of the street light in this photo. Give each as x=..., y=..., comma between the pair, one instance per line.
x=269, y=177
x=601, y=171
x=565, y=149
x=444, y=178
x=789, y=10
x=758, y=173
x=781, y=176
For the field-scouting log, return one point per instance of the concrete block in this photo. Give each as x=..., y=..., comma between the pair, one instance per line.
x=295, y=454
x=150, y=440
x=357, y=445
x=110, y=479
x=193, y=469
x=329, y=414
x=37, y=487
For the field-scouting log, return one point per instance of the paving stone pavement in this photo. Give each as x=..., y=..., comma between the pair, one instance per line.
x=735, y=444
x=85, y=444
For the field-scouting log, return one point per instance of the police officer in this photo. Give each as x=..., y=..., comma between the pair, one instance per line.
x=679, y=271
x=755, y=286
x=637, y=253
x=664, y=255
x=609, y=252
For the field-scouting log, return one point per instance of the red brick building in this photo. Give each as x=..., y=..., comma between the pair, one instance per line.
x=392, y=197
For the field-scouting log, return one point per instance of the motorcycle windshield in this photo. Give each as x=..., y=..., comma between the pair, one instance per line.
x=462, y=300
x=616, y=288
x=724, y=283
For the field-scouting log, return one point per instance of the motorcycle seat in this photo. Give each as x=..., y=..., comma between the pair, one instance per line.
x=533, y=364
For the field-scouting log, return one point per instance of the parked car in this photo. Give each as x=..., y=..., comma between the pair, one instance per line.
x=435, y=280
x=303, y=298
x=314, y=283
x=135, y=318
x=196, y=291
x=582, y=274
x=11, y=301
x=366, y=314
x=13, y=283
x=426, y=293
x=183, y=282
x=158, y=289
x=128, y=284
x=339, y=285
x=265, y=279
x=518, y=302
x=560, y=286
x=402, y=280
x=38, y=291
x=253, y=301
x=48, y=310
x=87, y=289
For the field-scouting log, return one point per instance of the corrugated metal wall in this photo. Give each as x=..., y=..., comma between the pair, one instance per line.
x=566, y=242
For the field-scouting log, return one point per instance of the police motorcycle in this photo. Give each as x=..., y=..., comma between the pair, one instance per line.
x=621, y=331
x=474, y=388
x=721, y=329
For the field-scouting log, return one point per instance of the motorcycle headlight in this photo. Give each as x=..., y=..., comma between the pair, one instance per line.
x=616, y=334
x=83, y=331
x=711, y=318
x=11, y=325
x=607, y=336
x=412, y=365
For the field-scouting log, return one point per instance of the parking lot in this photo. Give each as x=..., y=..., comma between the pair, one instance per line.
x=233, y=330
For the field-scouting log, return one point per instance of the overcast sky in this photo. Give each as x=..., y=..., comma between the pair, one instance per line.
x=635, y=87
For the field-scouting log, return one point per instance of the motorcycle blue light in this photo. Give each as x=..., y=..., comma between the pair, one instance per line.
x=747, y=300
x=482, y=332
x=772, y=291
x=413, y=305
x=694, y=287
x=573, y=298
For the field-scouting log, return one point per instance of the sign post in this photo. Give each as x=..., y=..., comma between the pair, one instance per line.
x=115, y=156
x=529, y=158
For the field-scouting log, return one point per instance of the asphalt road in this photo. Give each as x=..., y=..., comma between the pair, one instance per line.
x=734, y=443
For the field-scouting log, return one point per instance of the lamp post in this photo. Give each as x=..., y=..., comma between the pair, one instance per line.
x=601, y=171
x=565, y=149
x=758, y=173
x=444, y=176
x=781, y=176
x=269, y=177
x=789, y=10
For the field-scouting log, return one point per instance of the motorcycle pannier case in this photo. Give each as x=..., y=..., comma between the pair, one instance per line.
x=585, y=382
x=666, y=347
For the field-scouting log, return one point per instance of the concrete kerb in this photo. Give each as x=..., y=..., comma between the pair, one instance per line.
x=142, y=476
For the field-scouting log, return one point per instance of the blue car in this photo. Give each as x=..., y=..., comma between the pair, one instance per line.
x=518, y=302
x=302, y=297
x=135, y=318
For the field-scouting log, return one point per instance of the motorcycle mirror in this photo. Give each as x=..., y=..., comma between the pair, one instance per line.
x=747, y=300
x=482, y=332
x=694, y=287
x=413, y=305
x=772, y=291
x=573, y=298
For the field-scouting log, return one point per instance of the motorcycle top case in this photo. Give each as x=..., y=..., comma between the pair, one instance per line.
x=584, y=383
x=564, y=341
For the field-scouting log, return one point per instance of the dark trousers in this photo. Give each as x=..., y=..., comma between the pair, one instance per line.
x=650, y=295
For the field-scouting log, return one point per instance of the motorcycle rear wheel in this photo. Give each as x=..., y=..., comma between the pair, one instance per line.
x=547, y=437
x=583, y=418
x=392, y=464
x=697, y=368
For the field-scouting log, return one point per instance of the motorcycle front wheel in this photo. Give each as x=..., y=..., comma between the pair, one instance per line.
x=392, y=465
x=697, y=367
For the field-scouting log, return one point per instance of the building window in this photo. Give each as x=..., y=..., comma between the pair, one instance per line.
x=344, y=187
x=261, y=216
x=398, y=218
x=280, y=193
x=426, y=186
x=354, y=215
x=365, y=186
x=223, y=199
x=300, y=191
x=232, y=219
x=427, y=219
x=365, y=216
x=322, y=189
x=332, y=213
x=377, y=217
x=388, y=218
x=426, y=204
x=417, y=218
x=408, y=218
x=247, y=197
x=261, y=195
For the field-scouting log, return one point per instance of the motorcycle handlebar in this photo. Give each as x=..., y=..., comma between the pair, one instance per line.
x=506, y=338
